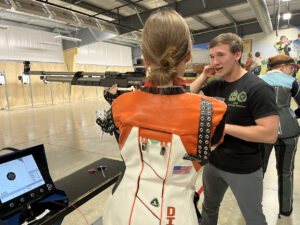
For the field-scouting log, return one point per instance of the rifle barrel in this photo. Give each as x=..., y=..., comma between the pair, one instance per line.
x=64, y=73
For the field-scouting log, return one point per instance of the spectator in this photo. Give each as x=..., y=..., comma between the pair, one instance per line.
x=281, y=67
x=256, y=66
x=283, y=46
x=249, y=61
x=296, y=44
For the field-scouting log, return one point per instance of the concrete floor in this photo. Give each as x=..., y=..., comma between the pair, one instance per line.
x=71, y=139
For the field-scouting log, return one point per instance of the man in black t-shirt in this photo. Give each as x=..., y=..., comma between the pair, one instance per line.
x=252, y=118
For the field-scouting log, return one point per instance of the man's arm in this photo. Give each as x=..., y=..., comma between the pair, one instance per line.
x=265, y=130
x=197, y=84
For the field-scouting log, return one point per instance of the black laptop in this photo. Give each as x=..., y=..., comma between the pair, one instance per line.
x=24, y=179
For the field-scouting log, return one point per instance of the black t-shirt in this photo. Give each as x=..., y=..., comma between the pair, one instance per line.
x=247, y=99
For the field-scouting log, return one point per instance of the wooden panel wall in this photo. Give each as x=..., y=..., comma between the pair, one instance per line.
x=19, y=94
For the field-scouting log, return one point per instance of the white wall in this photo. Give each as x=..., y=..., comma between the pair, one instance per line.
x=18, y=43
x=265, y=43
x=106, y=54
x=24, y=44
x=200, y=54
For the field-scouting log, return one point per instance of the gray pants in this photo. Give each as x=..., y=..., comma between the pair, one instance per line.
x=247, y=189
x=285, y=150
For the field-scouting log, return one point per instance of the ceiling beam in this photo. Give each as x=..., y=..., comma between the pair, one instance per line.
x=202, y=21
x=133, y=5
x=227, y=15
x=243, y=28
x=118, y=42
x=93, y=8
x=187, y=8
x=116, y=23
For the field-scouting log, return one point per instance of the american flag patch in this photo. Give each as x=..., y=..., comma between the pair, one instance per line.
x=181, y=169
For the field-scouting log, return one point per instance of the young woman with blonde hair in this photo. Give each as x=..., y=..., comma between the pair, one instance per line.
x=165, y=133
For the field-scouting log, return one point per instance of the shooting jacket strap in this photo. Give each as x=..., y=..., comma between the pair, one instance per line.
x=204, y=134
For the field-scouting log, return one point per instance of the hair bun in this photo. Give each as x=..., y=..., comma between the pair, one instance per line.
x=167, y=61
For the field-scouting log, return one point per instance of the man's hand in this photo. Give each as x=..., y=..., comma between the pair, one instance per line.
x=208, y=71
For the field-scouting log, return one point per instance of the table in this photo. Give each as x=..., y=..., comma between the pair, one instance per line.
x=81, y=186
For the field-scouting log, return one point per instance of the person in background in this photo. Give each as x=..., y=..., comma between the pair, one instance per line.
x=297, y=41
x=283, y=46
x=251, y=119
x=163, y=148
x=249, y=62
x=256, y=66
x=296, y=44
x=279, y=76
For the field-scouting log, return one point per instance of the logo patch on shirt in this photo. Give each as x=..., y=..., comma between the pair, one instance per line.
x=236, y=99
x=236, y=96
x=242, y=97
x=154, y=202
x=181, y=169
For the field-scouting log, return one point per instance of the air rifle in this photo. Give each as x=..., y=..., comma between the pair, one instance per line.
x=106, y=79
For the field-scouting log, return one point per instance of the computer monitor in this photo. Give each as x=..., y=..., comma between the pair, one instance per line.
x=24, y=179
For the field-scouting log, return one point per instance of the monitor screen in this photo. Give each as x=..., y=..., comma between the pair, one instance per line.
x=18, y=177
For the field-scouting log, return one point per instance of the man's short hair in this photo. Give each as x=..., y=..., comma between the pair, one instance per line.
x=257, y=54
x=234, y=41
x=283, y=36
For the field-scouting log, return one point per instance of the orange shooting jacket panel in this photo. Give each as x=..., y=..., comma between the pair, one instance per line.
x=176, y=114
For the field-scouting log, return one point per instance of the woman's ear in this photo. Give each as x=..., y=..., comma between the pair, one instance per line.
x=188, y=57
x=146, y=62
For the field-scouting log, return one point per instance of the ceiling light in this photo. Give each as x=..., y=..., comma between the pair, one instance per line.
x=49, y=43
x=4, y=27
x=285, y=0
x=286, y=16
x=67, y=38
